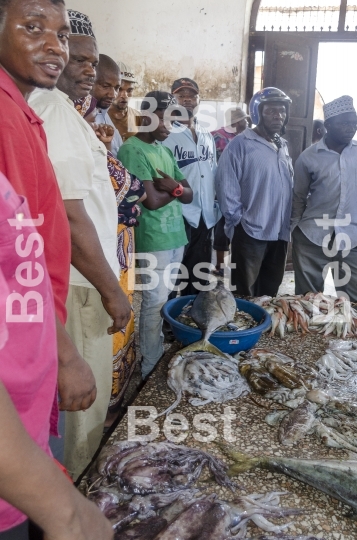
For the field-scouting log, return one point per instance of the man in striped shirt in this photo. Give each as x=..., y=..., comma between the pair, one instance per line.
x=324, y=216
x=254, y=190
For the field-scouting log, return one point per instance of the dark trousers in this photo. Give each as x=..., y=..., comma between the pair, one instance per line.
x=198, y=250
x=309, y=263
x=25, y=531
x=220, y=240
x=17, y=533
x=260, y=264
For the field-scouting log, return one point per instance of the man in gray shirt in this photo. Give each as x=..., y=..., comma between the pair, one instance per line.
x=254, y=191
x=324, y=216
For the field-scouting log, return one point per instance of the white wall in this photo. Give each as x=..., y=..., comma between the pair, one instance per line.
x=163, y=40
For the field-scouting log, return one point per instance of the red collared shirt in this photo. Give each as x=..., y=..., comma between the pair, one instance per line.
x=24, y=161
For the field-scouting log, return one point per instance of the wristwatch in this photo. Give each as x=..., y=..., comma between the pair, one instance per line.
x=178, y=191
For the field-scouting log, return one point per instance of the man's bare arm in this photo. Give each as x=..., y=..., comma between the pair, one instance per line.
x=88, y=258
x=43, y=493
x=159, y=192
x=76, y=382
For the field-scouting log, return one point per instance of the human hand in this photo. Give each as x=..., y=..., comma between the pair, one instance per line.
x=119, y=308
x=166, y=183
x=86, y=523
x=104, y=132
x=76, y=383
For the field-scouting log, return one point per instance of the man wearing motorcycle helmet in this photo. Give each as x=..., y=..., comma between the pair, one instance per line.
x=254, y=190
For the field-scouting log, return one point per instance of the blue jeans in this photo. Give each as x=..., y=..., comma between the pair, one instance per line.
x=57, y=443
x=150, y=325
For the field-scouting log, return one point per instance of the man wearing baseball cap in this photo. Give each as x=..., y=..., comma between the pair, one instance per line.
x=195, y=152
x=324, y=215
x=160, y=237
x=125, y=118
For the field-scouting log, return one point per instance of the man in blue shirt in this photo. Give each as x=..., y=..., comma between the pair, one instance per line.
x=195, y=152
x=324, y=216
x=105, y=90
x=254, y=191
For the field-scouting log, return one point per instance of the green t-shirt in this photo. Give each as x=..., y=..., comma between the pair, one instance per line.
x=162, y=229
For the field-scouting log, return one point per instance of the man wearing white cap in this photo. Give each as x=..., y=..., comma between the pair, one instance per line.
x=324, y=215
x=125, y=118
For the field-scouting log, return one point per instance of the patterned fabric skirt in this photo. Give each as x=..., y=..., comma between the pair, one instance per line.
x=124, y=353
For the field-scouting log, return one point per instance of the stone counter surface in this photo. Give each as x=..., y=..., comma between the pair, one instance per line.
x=326, y=517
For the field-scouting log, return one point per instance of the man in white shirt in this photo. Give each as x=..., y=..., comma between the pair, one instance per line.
x=105, y=90
x=96, y=305
x=195, y=152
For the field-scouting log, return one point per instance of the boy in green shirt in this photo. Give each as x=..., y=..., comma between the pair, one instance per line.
x=161, y=236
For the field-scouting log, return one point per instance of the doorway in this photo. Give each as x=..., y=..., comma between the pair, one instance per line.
x=300, y=48
x=307, y=51
x=336, y=75
x=311, y=71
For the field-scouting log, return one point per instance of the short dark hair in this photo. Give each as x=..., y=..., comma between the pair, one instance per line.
x=318, y=124
x=5, y=3
x=107, y=64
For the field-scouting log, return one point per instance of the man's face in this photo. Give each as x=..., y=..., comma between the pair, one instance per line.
x=240, y=126
x=106, y=88
x=34, y=43
x=342, y=128
x=273, y=117
x=188, y=98
x=78, y=78
x=162, y=131
x=125, y=92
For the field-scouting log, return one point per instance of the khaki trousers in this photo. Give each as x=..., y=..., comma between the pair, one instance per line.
x=87, y=325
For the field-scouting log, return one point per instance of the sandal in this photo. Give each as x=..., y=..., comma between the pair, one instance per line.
x=218, y=273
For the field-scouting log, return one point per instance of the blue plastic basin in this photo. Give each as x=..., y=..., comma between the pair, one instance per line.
x=229, y=342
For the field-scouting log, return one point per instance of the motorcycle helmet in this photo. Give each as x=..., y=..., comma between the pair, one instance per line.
x=268, y=95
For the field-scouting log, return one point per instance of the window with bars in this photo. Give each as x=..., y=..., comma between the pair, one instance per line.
x=322, y=16
x=351, y=17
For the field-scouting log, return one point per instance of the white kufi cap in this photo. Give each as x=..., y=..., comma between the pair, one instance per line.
x=343, y=104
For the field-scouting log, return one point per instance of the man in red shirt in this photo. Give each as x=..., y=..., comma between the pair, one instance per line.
x=28, y=376
x=33, y=53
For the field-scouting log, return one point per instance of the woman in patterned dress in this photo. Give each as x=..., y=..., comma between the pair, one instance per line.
x=129, y=192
